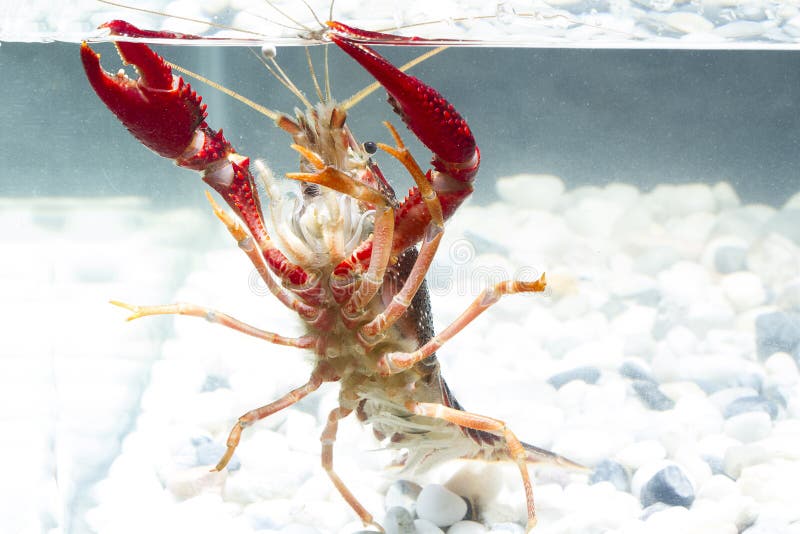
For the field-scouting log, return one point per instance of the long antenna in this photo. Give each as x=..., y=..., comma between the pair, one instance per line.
x=313, y=75
x=181, y=17
x=274, y=115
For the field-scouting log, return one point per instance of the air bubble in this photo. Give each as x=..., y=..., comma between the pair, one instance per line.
x=268, y=51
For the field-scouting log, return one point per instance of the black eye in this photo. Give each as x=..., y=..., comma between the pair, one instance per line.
x=370, y=147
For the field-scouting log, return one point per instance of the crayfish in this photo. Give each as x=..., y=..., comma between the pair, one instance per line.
x=343, y=254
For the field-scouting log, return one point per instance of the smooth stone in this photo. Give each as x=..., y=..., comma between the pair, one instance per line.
x=588, y=374
x=787, y=223
x=613, y=472
x=651, y=395
x=744, y=290
x=730, y=259
x=214, y=382
x=594, y=217
x=794, y=201
x=507, y=528
x=717, y=487
x=669, y=486
x=636, y=371
x=689, y=22
x=749, y=426
x=789, y=297
x=440, y=506
x=750, y=404
x=668, y=200
x=778, y=396
x=781, y=369
x=424, y=526
x=777, y=332
x=188, y=483
x=531, y=191
x=744, y=223
x=641, y=453
x=770, y=526
x=653, y=509
x=656, y=259
x=398, y=520
x=467, y=527
x=402, y=493
x=716, y=464
x=724, y=397
x=739, y=457
x=726, y=196
x=775, y=258
x=773, y=485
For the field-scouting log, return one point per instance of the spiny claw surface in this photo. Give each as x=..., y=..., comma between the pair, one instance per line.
x=159, y=109
x=425, y=111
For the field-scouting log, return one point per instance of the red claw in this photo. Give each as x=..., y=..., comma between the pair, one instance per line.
x=425, y=111
x=159, y=109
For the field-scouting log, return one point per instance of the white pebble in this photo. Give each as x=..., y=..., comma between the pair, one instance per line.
x=781, y=369
x=689, y=22
x=717, y=487
x=531, y=191
x=774, y=485
x=466, y=527
x=738, y=457
x=744, y=290
x=424, y=526
x=440, y=506
x=749, y=426
x=726, y=196
x=640, y=453
x=794, y=201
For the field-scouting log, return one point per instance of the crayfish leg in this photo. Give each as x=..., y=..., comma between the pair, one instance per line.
x=486, y=424
x=264, y=411
x=328, y=438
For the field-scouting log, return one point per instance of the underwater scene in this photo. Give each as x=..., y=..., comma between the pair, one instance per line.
x=616, y=305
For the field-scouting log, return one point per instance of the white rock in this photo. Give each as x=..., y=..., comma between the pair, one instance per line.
x=775, y=258
x=684, y=282
x=667, y=200
x=726, y=196
x=424, y=526
x=689, y=22
x=467, y=527
x=744, y=290
x=640, y=453
x=531, y=191
x=594, y=217
x=724, y=397
x=738, y=457
x=794, y=201
x=717, y=487
x=478, y=481
x=773, y=485
x=781, y=369
x=749, y=426
x=440, y=506
x=621, y=193
x=188, y=483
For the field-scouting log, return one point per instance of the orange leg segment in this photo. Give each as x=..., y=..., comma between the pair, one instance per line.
x=486, y=424
x=395, y=362
x=260, y=413
x=213, y=316
x=328, y=438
